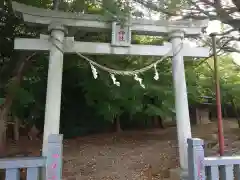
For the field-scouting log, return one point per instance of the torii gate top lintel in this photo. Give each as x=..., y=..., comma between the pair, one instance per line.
x=99, y=23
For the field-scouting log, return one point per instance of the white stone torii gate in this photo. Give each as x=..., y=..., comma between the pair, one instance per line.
x=59, y=21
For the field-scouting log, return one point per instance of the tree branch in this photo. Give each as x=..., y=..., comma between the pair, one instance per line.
x=154, y=7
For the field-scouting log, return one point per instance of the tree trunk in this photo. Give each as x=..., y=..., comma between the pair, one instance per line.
x=238, y=118
x=158, y=122
x=161, y=122
x=16, y=128
x=236, y=112
x=118, y=125
x=3, y=124
x=3, y=120
x=5, y=108
x=155, y=122
x=33, y=133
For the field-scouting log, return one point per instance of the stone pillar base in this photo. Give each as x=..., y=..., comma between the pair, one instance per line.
x=178, y=174
x=175, y=174
x=202, y=116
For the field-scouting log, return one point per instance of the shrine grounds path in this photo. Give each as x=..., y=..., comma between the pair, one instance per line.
x=129, y=155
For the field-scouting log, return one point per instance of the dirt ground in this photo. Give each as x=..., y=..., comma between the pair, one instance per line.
x=127, y=156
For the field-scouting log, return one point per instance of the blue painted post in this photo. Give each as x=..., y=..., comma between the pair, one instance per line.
x=196, y=168
x=12, y=174
x=33, y=173
x=54, y=157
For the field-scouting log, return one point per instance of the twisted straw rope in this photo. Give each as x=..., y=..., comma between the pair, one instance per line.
x=114, y=71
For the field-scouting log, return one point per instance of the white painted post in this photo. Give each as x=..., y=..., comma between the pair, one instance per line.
x=54, y=84
x=181, y=100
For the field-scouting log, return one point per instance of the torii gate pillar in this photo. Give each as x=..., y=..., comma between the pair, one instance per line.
x=54, y=83
x=181, y=99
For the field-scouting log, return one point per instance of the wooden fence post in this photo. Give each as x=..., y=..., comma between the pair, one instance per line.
x=196, y=168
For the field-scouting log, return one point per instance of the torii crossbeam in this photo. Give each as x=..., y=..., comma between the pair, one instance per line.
x=71, y=46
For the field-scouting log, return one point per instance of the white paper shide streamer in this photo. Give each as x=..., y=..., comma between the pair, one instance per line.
x=139, y=80
x=117, y=83
x=94, y=71
x=156, y=76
